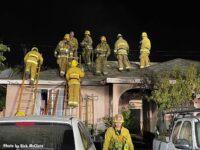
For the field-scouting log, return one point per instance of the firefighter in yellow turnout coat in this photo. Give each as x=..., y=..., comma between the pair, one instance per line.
x=32, y=59
x=122, y=50
x=144, y=51
x=102, y=51
x=73, y=78
x=118, y=137
x=74, y=45
x=87, y=47
x=62, y=54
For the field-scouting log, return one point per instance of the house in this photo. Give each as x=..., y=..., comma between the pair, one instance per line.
x=101, y=96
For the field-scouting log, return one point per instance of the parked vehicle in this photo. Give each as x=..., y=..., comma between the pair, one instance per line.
x=185, y=134
x=44, y=132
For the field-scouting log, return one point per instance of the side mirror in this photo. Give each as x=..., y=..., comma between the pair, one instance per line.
x=183, y=144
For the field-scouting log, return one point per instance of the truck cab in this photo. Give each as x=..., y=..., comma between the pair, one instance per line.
x=185, y=134
x=44, y=132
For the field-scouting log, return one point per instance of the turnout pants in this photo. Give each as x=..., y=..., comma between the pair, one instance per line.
x=74, y=91
x=123, y=62
x=31, y=68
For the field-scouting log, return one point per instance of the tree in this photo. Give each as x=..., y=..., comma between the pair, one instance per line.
x=176, y=88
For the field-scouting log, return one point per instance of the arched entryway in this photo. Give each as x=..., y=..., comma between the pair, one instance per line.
x=133, y=100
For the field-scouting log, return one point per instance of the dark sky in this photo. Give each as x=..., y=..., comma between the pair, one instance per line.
x=173, y=28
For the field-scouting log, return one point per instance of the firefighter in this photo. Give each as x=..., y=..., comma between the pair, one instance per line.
x=32, y=61
x=118, y=137
x=102, y=52
x=62, y=54
x=121, y=50
x=145, y=46
x=3, y=49
x=87, y=47
x=73, y=78
x=73, y=44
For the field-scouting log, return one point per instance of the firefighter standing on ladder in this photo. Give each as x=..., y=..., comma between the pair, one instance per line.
x=73, y=78
x=118, y=137
x=32, y=60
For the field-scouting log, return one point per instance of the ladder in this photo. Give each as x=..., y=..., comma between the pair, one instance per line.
x=28, y=94
x=52, y=103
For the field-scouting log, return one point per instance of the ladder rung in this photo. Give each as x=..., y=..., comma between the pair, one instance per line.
x=25, y=100
x=27, y=85
x=25, y=107
x=28, y=92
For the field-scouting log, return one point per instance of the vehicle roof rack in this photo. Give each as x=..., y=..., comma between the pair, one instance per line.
x=181, y=110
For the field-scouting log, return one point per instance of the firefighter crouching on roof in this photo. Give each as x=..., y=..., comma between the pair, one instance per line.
x=73, y=78
x=62, y=54
x=118, y=137
x=87, y=47
x=102, y=51
x=122, y=50
x=32, y=60
x=144, y=51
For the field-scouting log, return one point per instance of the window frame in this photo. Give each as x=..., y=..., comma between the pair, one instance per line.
x=85, y=136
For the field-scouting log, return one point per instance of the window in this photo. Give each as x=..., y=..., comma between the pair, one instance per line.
x=186, y=132
x=36, y=135
x=197, y=130
x=175, y=132
x=85, y=136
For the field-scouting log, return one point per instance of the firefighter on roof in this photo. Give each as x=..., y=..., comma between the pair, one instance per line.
x=121, y=50
x=73, y=43
x=3, y=49
x=102, y=52
x=62, y=54
x=32, y=61
x=87, y=47
x=73, y=76
x=144, y=51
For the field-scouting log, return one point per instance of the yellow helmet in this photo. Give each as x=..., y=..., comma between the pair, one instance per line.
x=20, y=113
x=144, y=34
x=119, y=35
x=103, y=38
x=66, y=36
x=87, y=32
x=118, y=118
x=74, y=63
x=34, y=49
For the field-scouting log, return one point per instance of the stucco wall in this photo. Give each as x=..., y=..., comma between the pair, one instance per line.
x=118, y=90
x=12, y=96
x=101, y=102
x=100, y=93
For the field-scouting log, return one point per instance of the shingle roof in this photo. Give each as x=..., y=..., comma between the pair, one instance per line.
x=135, y=72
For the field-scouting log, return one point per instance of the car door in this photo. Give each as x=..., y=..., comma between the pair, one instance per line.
x=174, y=135
x=182, y=130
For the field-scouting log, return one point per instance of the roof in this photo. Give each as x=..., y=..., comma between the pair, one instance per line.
x=51, y=75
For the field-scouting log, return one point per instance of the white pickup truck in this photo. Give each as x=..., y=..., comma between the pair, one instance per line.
x=185, y=135
x=44, y=133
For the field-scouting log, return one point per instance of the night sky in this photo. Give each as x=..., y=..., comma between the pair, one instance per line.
x=172, y=28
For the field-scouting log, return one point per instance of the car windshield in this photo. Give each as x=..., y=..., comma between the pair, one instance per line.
x=32, y=135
